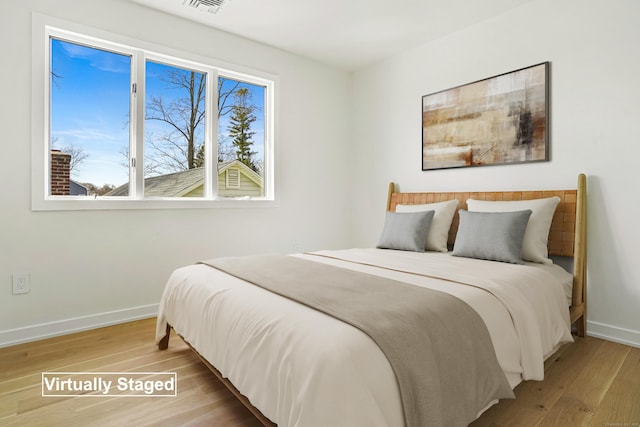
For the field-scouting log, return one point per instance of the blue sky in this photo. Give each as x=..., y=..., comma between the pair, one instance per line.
x=90, y=109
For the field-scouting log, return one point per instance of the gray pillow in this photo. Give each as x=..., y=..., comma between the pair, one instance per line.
x=406, y=231
x=495, y=236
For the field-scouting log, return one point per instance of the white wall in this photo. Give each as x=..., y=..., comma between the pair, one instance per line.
x=92, y=267
x=595, y=109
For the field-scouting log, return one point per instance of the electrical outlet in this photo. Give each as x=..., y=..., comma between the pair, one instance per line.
x=21, y=283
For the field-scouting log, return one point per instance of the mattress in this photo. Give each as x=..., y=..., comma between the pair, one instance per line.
x=300, y=367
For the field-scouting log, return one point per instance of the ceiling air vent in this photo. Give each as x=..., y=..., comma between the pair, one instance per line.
x=211, y=6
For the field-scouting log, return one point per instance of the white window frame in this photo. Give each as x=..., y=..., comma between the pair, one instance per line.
x=44, y=27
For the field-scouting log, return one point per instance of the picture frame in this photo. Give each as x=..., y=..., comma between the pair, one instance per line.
x=499, y=120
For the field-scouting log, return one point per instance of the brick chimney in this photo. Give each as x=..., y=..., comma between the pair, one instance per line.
x=60, y=173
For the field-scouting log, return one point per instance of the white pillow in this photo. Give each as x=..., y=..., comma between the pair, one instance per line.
x=534, y=246
x=440, y=225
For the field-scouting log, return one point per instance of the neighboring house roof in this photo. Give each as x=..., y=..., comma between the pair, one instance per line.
x=77, y=189
x=174, y=184
x=178, y=184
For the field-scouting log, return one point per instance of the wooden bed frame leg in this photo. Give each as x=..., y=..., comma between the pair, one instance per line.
x=581, y=326
x=164, y=342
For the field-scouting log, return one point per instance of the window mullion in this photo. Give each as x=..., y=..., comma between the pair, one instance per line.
x=138, y=113
x=211, y=135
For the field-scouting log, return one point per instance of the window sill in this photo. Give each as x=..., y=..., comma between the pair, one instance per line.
x=71, y=203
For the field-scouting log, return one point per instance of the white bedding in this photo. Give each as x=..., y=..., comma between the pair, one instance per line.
x=303, y=368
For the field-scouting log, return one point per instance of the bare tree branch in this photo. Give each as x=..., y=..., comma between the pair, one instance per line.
x=223, y=95
x=180, y=145
x=78, y=156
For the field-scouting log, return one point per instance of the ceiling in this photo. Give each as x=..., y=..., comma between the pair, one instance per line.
x=348, y=34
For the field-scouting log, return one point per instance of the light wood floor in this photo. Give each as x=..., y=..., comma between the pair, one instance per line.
x=588, y=383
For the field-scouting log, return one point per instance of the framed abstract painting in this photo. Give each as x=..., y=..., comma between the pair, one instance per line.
x=499, y=120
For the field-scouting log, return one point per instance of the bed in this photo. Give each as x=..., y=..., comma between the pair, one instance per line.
x=293, y=365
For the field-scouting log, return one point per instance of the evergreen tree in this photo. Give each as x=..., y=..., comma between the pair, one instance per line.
x=199, y=161
x=240, y=127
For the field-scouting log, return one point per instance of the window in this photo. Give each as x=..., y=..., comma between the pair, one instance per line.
x=126, y=126
x=89, y=114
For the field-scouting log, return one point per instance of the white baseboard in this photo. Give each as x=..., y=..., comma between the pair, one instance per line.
x=613, y=333
x=62, y=327
x=76, y=324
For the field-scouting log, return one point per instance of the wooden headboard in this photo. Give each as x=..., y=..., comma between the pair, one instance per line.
x=567, y=237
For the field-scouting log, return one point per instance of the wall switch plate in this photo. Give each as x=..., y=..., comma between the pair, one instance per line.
x=21, y=283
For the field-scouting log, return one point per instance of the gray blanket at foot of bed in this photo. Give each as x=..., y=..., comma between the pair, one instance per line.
x=437, y=345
